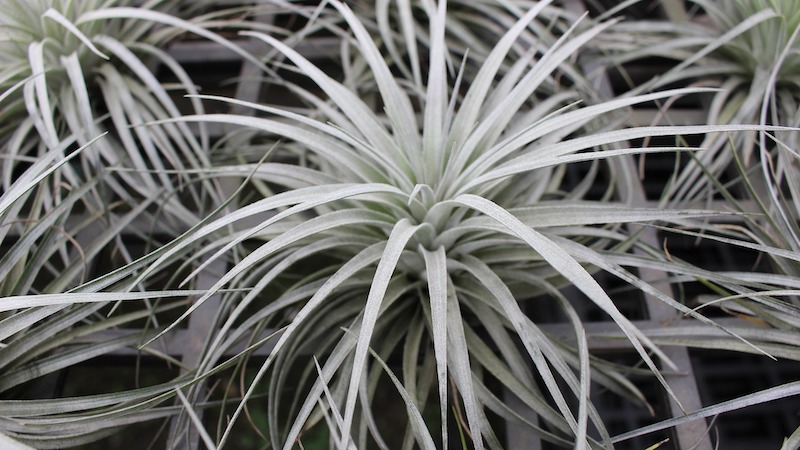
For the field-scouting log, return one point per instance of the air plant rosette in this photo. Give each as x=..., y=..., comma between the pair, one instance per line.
x=746, y=49
x=433, y=225
x=75, y=70
x=81, y=162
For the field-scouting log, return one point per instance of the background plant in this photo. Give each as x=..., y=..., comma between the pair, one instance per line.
x=748, y=49
x=79, y=169
x=87, y=67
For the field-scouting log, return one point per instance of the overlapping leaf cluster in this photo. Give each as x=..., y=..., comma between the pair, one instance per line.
x=406, y=227
x=79, y=169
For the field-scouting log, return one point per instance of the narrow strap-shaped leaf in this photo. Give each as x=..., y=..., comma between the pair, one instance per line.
x=792, y=442
x=33, y=345
x=533, y=344
x=80, y=92
x=293, y=256
x=395, y=245
x=724, y=39
x=583, y=397
x=615, y=268
x=289, y=175
x=376, y=158
x=506, y=171
x=787, y=219
x=205, y=230
x=38, y=172
x=496, y=326
x=131, y=269
x=558, y=214
x=59, y=361
x=334, y=362
x=26, y=243
x=581, y=360
x=196, y=421
x=37, y=99
x=436, y=98
x=10, y=91
x=337, y=416
x=411, y=334
x=756, y=398
x=329, y=145
x=149, y=79
x=185, y=80
x=459, y=361
x=438, y=285
x=68, y=276
x=532, y=159
x=126, y=402
x=25, y=319
x=787, y=308
x=498, y=119
x=38, y=300
x=126, y=116
x=525, y=392
x=43, y=123
x=49, y=430
x=501, y=408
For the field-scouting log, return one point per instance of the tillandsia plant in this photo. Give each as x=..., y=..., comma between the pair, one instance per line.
x=749, y=50
x=79, y=170
x=762, y=301
x=418, y=228
x=75, y=69
x=403, y=249
x=42, y=335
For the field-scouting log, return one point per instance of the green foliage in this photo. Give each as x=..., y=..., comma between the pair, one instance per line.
x=446, y=218
x=73, y=70
x=402, y=233
x=749, y=50
x=769, y=45
x=78, y=169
